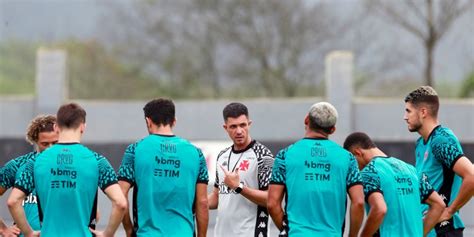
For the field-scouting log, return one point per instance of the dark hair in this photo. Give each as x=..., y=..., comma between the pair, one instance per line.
x=424, y=95
x=70, y=116
x=42, y=123
x=359, y=139
x=161, y=111
x=235, y=110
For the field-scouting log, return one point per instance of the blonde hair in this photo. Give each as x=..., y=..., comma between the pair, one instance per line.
x=42, y=123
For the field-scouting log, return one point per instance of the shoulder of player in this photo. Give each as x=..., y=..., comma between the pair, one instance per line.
x=20, y=160
x=225, y=150
x=261, y=150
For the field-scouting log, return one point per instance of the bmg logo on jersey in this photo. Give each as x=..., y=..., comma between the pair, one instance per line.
x=64, y=173
x=166, y=167
x=60, y=172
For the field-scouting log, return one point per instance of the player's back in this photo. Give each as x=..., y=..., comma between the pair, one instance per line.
x=66, y=179
x=316, y=181
x=166, y=173
x=401, y=191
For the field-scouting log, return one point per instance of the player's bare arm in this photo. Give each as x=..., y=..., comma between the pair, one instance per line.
x=356, y=194
x=378, y=209
x=275, y=197
x=126, y=221
x=213, y=198
x=434, y=212
x=232, y=180
x=202, y=209
x=119, y=205
x=16, y=209
x=465, y=169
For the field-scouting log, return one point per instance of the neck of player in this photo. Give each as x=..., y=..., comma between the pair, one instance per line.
x=161, y=130
x=314, y=134
x=242, y=146
x=428, y=126
x=376, y=152
x=70, y=136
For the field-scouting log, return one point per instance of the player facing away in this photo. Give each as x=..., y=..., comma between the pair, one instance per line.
x=315, y=175
x=439, y=159
x=169, y=178
x=242, y=175
x=41, y=134
x=66, y=177
x=393, y=192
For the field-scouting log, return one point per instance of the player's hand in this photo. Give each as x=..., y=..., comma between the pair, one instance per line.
x=446, y=215
x=231, y=179
x=11, y=231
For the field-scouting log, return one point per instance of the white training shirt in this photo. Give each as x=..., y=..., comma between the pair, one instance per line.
x=236, y=215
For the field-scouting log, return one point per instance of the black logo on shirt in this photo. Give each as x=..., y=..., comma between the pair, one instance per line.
x=166, y=167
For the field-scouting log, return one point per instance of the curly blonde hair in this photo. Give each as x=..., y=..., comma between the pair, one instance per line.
x=42, y=123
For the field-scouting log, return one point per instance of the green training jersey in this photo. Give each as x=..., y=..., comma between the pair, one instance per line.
x=11, y=172
x=435, y=160
x=317, y=174
x=402, y=191
x=164, y=171
x=66, y=177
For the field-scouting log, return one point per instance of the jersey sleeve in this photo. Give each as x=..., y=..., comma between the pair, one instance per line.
x=279, y=169
x=446, y=150
x=353, y=175
x=203, y=176
x=26, y=180
x=127, y=168
x=371, y=181
x=107, y=174
x=265, y=164
x=7, y=174
x=425, y=189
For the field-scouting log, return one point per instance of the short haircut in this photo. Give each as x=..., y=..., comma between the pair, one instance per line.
x=160, y=111
x=42, y=123
x=359, y=139
x=70, y=116
x=234, y=110
x=424, y=95
x=322, y=116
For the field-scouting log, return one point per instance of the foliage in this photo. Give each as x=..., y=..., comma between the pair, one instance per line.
x=467, y=88
x=17, y=68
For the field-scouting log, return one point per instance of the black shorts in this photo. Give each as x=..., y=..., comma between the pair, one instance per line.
x=451, y=233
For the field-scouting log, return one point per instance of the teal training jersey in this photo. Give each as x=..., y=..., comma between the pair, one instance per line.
x=164, y=171
x=435, y=159
x=11, y=172
x=402, y=191
x=317, y=174
x=66, y=177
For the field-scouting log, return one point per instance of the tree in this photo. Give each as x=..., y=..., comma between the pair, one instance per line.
x=427, y=20
x=467, y=87
x=244, y=44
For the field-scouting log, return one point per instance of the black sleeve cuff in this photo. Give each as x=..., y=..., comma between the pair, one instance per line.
x=455, y=160
x=108, y=184
x=353, y=184
x=202, y=182
x=126, y=180
x=278, y=183
x=22, y=189
x=370, y=193
x=427, y=196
